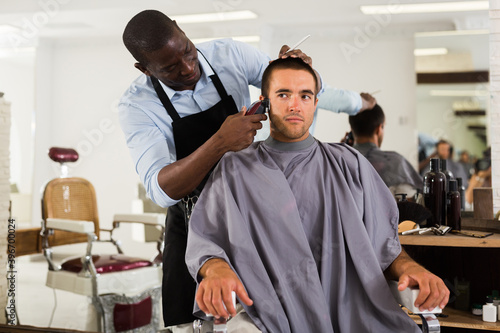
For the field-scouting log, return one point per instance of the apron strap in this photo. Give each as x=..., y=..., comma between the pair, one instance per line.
x=162, y=95
x=216, y=80
x=218, y=85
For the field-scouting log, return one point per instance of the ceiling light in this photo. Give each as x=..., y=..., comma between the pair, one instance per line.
x=245, y=39
x=430, y=51
x=459, y=93
x=467, y=105
x=214, y=17
x=452, y=33
x=432, y=7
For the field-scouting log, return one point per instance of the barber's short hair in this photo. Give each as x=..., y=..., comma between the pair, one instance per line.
x=366, y=122
x=146, y=32
x=286, y=63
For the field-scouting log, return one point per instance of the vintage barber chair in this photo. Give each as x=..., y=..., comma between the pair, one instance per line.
x=125, y=291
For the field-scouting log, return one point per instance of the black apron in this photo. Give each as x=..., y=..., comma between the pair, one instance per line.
x=190, y=132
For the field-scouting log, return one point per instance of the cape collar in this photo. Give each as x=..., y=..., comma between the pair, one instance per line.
x=290, y=146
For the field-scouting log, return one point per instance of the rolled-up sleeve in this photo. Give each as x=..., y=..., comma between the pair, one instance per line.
x=339, y=100
x=148, y=148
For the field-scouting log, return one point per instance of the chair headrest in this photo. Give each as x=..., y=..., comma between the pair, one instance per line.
x=63, y=155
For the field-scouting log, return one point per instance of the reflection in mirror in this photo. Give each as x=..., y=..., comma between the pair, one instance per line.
x=17, y=84
x=453, y=95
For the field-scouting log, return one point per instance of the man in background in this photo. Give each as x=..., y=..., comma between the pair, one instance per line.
x=396, y=172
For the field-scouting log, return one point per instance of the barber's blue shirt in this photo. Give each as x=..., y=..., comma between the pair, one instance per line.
x=147, y=125
x=337, y=100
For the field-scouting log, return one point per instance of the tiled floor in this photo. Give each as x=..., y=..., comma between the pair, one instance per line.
x=41, y=306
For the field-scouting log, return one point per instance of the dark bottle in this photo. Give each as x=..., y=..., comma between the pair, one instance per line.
x=447, y=173
x=435, y=194
x=453, y=218
x=461, y=190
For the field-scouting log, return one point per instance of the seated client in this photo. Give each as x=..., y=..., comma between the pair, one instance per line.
x=304, y=232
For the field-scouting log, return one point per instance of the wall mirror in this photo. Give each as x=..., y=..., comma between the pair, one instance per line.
x=453, y=90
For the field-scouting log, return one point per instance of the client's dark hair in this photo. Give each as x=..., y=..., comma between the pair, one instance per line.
x=286, y=63
x=146, y=32
x=366, y=122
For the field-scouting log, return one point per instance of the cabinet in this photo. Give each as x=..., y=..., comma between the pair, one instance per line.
x=475, y=259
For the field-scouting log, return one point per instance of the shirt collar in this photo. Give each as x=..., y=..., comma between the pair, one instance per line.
x=365, y=145
x=290, y=146
x=206, y=71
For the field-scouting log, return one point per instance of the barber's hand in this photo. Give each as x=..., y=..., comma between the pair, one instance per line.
x=295, y=54
x=368, y=102
x=433, y=291
x=484, y=173
x=214, y=291
x=238, y=130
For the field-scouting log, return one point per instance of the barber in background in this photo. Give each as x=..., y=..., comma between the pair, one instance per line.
x=179, y=118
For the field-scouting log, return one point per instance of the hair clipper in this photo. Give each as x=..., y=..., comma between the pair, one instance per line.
x=258, y=107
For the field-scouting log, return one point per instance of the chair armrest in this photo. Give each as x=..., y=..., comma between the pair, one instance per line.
x=407, y=298
x=151, y=219
x=85, y=227
x=144, y=218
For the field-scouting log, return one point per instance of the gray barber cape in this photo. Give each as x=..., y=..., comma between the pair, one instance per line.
x=309, y=229
x=392, y=167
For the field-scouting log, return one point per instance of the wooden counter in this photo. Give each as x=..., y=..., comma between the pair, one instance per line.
x=462, y=319
x=454, y=240
x=472, y=258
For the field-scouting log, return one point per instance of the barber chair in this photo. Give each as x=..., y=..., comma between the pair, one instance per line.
x=125, y=291
x=407, y=298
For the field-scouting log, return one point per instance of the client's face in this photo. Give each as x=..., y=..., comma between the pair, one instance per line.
x=292, y=101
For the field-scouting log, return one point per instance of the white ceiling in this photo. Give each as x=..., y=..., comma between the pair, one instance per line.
x=107, y=18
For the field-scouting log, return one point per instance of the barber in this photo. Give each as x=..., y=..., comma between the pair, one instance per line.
x=179, y=119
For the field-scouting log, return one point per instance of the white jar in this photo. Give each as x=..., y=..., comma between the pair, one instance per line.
x=489, y=311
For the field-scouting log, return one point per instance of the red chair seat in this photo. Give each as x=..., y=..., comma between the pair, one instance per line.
x=131, y=316
x=107, y=263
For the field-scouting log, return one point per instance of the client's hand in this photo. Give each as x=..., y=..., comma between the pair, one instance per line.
x=433, y=291
x=214, y=291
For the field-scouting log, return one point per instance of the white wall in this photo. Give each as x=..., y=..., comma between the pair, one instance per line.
x=7, y=266
x=16, y=82
x=82, y=85
x=494, y=114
